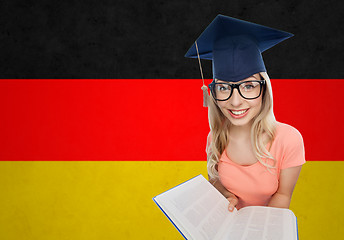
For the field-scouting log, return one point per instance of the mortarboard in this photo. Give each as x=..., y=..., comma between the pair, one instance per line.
x=235, y=47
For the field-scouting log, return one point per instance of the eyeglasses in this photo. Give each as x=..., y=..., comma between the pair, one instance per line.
x=248, y=89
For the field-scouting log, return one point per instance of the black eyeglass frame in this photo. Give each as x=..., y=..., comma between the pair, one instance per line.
x=233, y=86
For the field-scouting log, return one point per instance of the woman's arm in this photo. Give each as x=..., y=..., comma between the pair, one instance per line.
x=233, y=200
x=287, y=180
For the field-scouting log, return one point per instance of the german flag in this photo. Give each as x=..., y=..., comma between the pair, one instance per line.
x=100, y=112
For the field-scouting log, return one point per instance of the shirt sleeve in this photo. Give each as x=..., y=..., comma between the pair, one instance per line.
x=294, y=151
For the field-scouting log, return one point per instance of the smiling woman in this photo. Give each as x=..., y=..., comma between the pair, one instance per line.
x=252, y=158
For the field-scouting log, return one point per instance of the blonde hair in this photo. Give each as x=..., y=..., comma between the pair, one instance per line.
x=264, y=122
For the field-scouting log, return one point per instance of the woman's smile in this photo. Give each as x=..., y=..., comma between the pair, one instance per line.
x=239, y=113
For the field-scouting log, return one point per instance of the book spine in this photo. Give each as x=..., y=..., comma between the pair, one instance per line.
x=169, y=219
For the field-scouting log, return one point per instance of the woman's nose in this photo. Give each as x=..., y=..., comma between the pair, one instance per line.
x=235, y=99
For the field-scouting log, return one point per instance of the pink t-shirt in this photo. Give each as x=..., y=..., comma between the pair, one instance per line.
x=255, y=184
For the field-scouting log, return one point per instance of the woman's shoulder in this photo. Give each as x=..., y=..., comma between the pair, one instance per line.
x=287, y=134
x=283, y=128
x=288, y=146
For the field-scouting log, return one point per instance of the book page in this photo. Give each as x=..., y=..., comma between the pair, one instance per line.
x=198, y=207
x=263, y=223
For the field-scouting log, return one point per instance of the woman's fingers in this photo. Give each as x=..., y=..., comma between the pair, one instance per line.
x=233, y=201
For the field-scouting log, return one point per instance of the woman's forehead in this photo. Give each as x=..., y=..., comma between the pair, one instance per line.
x=253, y=77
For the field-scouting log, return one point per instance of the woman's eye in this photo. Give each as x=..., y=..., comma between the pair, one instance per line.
x=249, y=86
x=222, y=88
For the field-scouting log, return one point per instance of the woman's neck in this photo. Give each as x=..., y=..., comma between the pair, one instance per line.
x=240, y=133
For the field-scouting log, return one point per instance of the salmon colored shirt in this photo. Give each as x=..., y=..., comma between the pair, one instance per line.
x=254, y=185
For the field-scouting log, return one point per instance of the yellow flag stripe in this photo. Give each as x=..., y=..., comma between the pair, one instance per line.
x=113, y=200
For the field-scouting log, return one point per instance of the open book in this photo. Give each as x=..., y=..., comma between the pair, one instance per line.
x=199, y=211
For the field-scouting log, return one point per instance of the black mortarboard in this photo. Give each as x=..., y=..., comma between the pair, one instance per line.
x=235, y=47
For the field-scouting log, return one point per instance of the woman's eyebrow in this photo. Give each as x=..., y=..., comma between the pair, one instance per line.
x=251, y=78
x=220, y=81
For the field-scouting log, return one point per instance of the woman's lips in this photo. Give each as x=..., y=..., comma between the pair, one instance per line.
x=239, y=113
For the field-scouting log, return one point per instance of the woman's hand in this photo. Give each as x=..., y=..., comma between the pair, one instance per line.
x=233, y=201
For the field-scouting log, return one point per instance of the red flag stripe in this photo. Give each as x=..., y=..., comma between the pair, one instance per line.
x=147, y=119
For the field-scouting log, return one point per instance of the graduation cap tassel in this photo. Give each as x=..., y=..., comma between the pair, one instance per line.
x=205, y=95
x=204, y=87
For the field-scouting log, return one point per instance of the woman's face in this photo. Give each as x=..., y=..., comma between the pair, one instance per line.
x=238, y=110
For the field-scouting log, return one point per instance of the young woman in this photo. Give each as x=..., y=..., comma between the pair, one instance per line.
x=252, y=158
